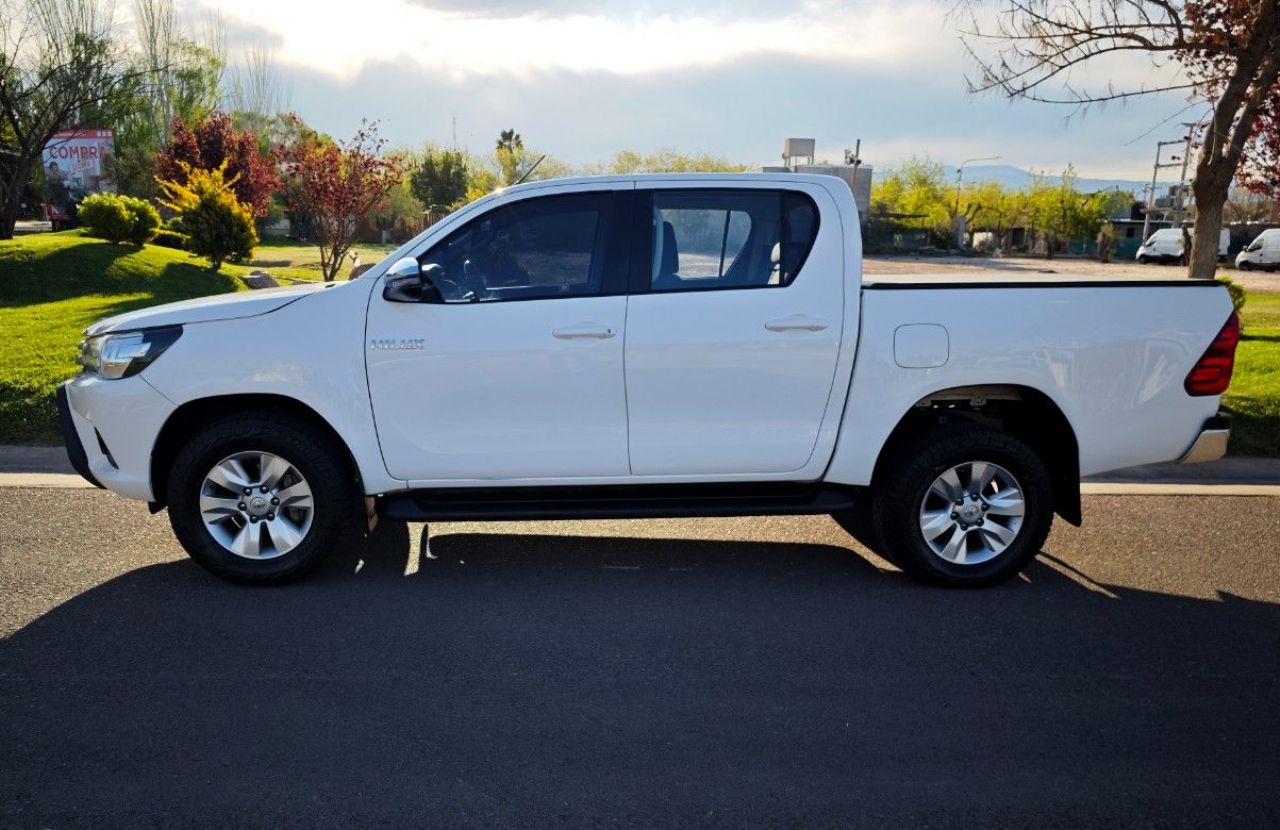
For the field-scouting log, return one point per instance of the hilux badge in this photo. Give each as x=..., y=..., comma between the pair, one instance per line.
x=397, y=344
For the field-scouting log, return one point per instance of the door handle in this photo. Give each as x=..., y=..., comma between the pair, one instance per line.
x=797, y=322
x=584, y=331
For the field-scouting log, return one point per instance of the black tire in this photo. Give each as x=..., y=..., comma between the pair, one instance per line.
x=336, y=514
x=901, y=491
x=1245, y=266
x=1142, y=260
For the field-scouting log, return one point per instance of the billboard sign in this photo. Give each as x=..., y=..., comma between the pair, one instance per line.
x=73, y=168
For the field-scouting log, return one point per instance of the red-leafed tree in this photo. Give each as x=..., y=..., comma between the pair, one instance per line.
x=334, y=184
x=211, y=143
x=1261, y=171
x=1223, y=54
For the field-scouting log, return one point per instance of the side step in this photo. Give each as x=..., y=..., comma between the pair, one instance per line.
x=650, y=501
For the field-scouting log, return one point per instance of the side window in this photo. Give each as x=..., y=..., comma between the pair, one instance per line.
x=551, y=246
x=729, y=238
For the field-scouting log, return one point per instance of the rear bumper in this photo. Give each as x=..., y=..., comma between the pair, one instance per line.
x=1211, y=444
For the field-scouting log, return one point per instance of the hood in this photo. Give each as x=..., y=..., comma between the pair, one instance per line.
x=206, y=309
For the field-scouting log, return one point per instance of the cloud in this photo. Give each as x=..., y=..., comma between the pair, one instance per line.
x=741, y=109
x=600, y=39
x=713, y=9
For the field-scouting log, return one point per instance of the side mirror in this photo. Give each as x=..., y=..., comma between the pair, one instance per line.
x=408, y=282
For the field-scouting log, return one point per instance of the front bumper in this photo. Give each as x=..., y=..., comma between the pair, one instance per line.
x=110, y=428
x=1211, y=444
x=71, y=439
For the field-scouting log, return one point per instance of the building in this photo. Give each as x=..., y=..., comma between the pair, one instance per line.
x=798, y=157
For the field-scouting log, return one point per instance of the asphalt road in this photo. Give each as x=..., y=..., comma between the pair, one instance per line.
x=716, y=672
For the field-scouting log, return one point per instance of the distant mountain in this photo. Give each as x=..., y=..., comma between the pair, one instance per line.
x=1016, y=179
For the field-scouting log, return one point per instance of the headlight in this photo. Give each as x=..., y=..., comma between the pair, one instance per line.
x=126, y=353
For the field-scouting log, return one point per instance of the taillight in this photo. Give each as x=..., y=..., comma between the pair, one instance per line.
x=1212, y=374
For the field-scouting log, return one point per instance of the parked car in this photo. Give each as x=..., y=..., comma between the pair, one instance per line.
x=647, y=346
x=1166, y=245
x=1262, y=253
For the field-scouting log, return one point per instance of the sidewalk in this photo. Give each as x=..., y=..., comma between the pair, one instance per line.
x=1228, y=471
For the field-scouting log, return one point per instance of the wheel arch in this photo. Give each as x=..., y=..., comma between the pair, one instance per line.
x=192, y=415
x=1022, y=411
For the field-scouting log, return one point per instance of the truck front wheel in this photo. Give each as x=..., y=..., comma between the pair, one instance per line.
x=261, y=499
x=967, y=506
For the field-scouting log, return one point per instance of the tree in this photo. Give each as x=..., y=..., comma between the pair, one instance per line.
x=59, y=68
x=917, y=191
x=399, y=216
x=186, y=90
x=217, y=225
x=440, y=178
x=212, y=143
x=1224, y=53
x=510, y=153
x=336, y=184
x=667, y=160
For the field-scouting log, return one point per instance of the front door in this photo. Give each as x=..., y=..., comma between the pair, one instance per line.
x=734, y=332
x=515, y=370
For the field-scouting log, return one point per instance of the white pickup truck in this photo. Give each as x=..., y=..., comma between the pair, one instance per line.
x=647, y=346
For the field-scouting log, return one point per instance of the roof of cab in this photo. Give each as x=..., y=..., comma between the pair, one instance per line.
x=712, y=178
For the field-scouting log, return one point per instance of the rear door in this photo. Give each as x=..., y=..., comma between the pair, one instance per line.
x=515, y=370
x=733, y=329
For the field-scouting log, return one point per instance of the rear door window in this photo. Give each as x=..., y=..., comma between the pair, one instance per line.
x=741, y=238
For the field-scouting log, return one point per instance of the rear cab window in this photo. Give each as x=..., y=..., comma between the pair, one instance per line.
x=703, y=239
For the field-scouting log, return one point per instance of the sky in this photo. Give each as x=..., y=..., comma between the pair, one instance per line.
x=581, y=80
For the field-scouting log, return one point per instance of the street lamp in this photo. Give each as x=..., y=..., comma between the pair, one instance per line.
x=959, y=229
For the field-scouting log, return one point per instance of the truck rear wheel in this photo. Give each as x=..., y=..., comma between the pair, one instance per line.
x=967, y=506
x=261, y=500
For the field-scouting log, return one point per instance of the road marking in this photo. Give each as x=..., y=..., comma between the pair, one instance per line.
x=70, y=481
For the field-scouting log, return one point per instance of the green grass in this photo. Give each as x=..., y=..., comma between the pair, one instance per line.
x=1254, y=397
x=51, y=287
x=298, y=260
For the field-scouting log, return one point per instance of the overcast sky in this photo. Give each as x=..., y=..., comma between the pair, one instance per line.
x=582, y=79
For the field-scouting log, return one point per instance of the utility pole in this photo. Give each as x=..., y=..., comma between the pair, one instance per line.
x=1182, y=177
x=959, y=223
x=1151, y=191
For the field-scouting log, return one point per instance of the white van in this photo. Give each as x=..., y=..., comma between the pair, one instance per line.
x=1263, y=252
x=1165, y=245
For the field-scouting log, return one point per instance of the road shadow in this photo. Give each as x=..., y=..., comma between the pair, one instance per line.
x=525, y=679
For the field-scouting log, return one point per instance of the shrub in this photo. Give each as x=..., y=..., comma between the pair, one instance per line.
x=217, y=225
x=1237, y=292
x=145, y=220
x=119, y=218
x=170, y=239
x=106, y=217
x=1238, y=295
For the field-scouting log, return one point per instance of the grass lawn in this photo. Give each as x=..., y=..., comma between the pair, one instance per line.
x=52, y=285
x=1254, y=396
x=289, y=258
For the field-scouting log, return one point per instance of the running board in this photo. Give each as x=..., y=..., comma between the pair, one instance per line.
x=652, y=501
